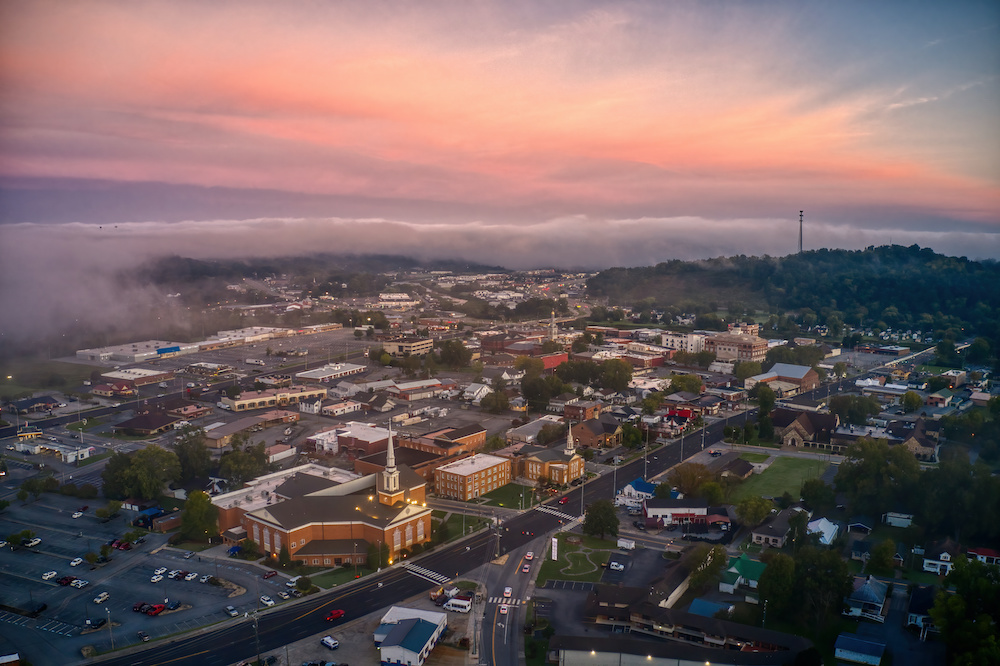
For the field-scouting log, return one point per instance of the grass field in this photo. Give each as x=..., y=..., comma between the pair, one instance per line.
x=784, y=474
x=510, y=496
x=455, y=523
x=337, y=576
x=582, y=562
x=754, y=457
x=29, y=376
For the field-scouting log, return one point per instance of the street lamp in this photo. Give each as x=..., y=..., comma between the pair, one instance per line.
x=109, y=629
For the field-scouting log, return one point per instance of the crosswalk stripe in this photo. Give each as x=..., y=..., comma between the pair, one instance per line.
x=432, y=576
x=554, y=512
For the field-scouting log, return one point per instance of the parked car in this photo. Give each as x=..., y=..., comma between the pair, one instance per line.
x=156, y=609
x=49, y=575
x=205, y=578
x=138, y=605
x=66, y=580
x=616, y=566
x=191, y=576
x=156, y=579
x=173, y=605
x=143, y=636
x=101, y=598
x=160, y=571
x=266, y=600
x=31, y=543
x=174, y=573
x=79, y=583
x=188, y=555
x=284, y=595
x=714, y=453
x=124, y=545
x=76, y=561
x=269, y=574
x=231, y=611
x=77, y=514
x=330, y=642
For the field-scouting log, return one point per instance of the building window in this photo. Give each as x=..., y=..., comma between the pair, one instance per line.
x=326, y=560
x=420, y=530
x=315, y=560
x=396, y=538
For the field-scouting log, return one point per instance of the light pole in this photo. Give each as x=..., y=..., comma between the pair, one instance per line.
x=110, y=633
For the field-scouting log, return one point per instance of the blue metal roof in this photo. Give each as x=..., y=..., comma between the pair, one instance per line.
x=412, y=634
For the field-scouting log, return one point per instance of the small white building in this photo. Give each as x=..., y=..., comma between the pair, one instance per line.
x=407, y=636
x=476, y=392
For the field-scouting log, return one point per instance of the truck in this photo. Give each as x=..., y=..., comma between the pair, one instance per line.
x=444, y=592
x=626, y=544
x=254, y=361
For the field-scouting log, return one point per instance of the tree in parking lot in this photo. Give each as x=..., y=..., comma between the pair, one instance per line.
x=105, y=550
x=600, y=519
x=91, y=557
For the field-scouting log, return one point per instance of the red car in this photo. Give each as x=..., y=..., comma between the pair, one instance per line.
x=334, y=615
x=124, y=545
x=270, y=574
x=563, y=500
x=156, y=609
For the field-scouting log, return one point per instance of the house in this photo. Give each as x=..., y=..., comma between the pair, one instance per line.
x=862, y=524
x=918, y=609
x=582, y=410
x=868, y=599
x=475, y=392
x=774, y=532
x=409, y=642
x=528, y=433
x=861, y=551
x=941, y=398
x=598, y=433
x=897, y=518
x=741, y=571
x=826, y=529
x=852, y=647
x=634, y=492
x=738, y=468
x=559, y=465
x=940, y=556
x=984, y=555
x=558, y=403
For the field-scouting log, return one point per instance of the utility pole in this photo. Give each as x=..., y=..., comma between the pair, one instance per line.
x=110, y=633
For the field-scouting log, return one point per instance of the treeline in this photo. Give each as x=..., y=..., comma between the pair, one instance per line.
x=880, y=287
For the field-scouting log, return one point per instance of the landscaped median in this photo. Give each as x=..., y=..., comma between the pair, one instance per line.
x=580, y=558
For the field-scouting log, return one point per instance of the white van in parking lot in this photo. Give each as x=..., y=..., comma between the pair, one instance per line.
x=458, y=605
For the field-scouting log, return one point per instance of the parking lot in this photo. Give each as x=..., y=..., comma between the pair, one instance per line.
x=58, y=633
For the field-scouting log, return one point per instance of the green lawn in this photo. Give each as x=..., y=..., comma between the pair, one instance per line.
x=28, y=376
x=755, y=457
x=784, y=474
x=580, y=562
x=337, y=576
x=93, y=459
x=510, y=496
x=472, y=523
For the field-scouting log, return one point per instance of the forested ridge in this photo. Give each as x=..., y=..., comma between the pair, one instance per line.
x=895, y=286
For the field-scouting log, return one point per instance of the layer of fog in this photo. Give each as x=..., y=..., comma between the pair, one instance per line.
x=57, y=277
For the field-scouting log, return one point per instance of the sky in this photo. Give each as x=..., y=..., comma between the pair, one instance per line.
x=524, y=134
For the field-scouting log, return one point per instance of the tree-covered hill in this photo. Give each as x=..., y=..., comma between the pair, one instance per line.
x=894, y=286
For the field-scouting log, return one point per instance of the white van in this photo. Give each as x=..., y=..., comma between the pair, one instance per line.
x=458, y=605
x=292, y=581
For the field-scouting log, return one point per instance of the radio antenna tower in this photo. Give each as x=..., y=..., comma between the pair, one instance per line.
x=800, y=232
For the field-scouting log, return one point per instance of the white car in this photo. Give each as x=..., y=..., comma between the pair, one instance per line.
x=330, y=642
x=191, y=576
x=507, y=591
x=76, y=561
x=3, y=544
x=49, y=575
x=80, y=583
x=205, y=578
x=266, y=600
x=34, y=542
x=160, y=571
x=529, y=556
x=101, y=598
x=616, y=566
x=77, y=514
x=156, y=579
x=173, y=573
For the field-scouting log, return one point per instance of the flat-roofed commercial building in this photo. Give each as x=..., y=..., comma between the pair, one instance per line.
x=277, y=397
x=405, y=346
x=736, y=347
x=134, y=377
x=472, y=477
